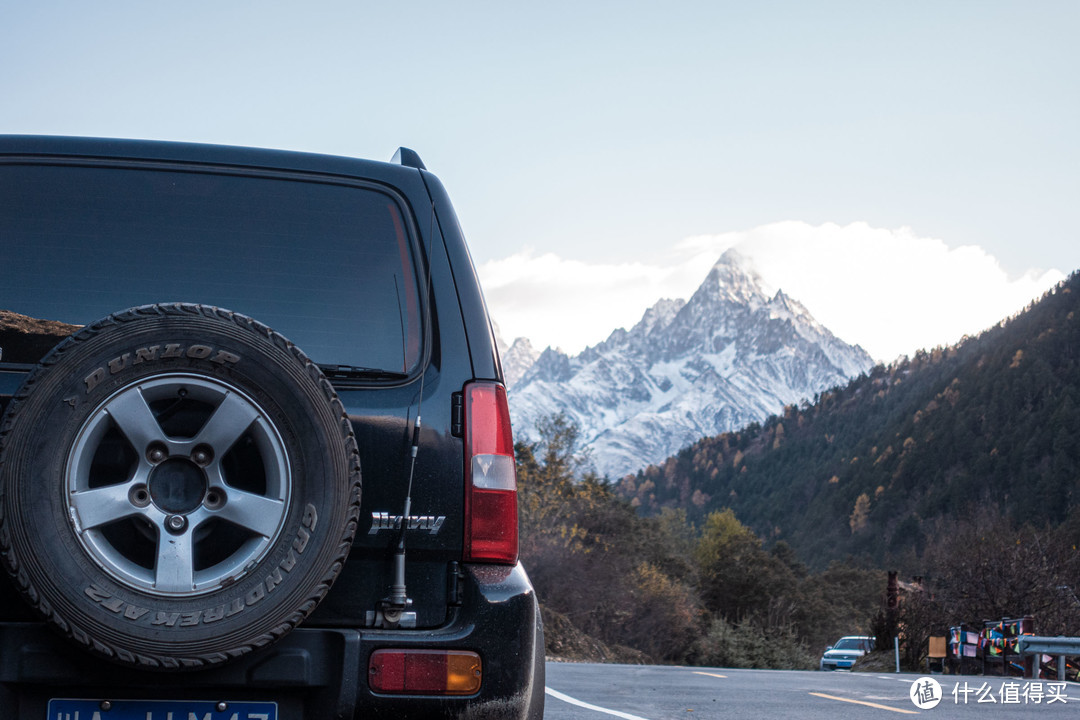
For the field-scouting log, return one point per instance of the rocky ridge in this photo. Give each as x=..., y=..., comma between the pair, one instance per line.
x=731, y=355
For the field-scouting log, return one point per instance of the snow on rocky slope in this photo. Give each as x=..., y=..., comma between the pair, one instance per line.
x=731, y=355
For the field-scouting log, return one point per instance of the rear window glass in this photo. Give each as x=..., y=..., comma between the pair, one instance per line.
x=330, y=266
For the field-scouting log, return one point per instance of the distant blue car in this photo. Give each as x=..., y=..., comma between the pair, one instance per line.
x=845, y=652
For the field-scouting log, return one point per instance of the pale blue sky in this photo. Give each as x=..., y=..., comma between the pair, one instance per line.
x=609, y=132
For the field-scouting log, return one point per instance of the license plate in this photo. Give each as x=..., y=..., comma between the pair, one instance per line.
x=64, y=709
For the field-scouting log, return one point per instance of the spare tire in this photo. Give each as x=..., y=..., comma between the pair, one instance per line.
x=179, y=485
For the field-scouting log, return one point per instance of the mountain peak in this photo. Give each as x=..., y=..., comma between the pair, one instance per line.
x=729, y=356
x=552, y=365
x=658, y=317
x=733, y=278
x=733, y=263
x=517, y=359
x=783, y=305
x=732, y=256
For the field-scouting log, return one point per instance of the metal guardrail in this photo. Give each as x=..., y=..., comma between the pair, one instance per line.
x=1059, y=646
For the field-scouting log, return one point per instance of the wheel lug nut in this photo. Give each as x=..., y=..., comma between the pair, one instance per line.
x=176, y=523
x=201, y=455
x=214, y=499
x=157, y=455
x=139, y=496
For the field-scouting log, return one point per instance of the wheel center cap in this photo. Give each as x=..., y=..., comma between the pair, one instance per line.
x=177, y=486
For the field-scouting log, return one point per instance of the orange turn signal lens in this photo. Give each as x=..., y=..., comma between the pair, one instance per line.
x=425, y=672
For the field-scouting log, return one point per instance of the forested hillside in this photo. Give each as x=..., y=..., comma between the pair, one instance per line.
x=899, y=456
x=617, y=586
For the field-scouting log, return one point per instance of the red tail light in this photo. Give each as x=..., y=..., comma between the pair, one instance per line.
x=425, y=672
x=491, y=527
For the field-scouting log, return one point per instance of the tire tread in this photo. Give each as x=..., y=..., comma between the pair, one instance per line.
x=9, y=554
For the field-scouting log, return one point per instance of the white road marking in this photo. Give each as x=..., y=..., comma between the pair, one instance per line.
x=566, y=698
x=698, y=672
x=863, y=702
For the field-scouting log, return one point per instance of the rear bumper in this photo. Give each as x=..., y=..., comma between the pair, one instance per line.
x=312, y=673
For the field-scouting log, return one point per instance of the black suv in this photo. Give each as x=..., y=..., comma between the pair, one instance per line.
x=202, y=351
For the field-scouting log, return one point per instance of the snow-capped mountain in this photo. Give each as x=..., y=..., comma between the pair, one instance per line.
x=731, y=355
x=517, y=358
x=516, y=361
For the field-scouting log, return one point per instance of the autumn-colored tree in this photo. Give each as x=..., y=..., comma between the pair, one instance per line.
x=658, y=585
x=622, y=578
x=738, y=577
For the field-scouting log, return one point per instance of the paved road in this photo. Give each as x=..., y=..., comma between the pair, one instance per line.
x=580, y=691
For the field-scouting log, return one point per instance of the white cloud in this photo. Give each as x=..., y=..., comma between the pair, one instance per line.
x=571, y=304
x=891, y=291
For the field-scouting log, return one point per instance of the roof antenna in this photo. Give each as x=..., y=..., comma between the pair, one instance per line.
x=393, y=609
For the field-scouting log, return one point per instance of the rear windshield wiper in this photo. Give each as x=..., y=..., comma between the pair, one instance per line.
x=355, y=372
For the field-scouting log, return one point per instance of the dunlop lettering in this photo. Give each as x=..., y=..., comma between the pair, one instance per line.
x=147, y=354
x=118, y=364
x=224, y=356
x=94, y=379
x=173, y=351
